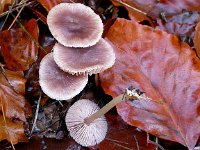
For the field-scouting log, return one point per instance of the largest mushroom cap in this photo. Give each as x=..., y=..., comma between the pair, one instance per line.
x=58, y=84
x=90, y=60
x=75, y=25
x=86, y=135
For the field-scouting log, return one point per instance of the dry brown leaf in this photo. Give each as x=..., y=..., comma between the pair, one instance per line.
x=167, y=70
x=12, y=131
x=17, y=48
x=11, y=94
x=3, y=3
x=12, y=102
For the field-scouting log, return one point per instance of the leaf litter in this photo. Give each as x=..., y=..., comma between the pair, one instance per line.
x=149, y=59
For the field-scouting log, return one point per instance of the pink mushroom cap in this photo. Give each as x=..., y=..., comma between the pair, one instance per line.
x=75, y=25
x=90, y=60
x=58, y=84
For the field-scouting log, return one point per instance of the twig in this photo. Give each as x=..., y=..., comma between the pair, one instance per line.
x=36, y=113
x=133, y=8
x=60, y=103
x=16, y=16
x=124, y=147
x=30, y=36
x=116, y=141
x=154, y=143
x=136, y=141
x=8, y=14
x=4, y=118
x=157, y=142
x=15, y=8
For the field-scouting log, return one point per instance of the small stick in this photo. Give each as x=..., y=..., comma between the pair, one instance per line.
x=154, y=143
x=60, y=103
x=15, y=8
x=36, y=113
x=16, y=17
x=7, y=15
x=119, y=1
x=136, y=141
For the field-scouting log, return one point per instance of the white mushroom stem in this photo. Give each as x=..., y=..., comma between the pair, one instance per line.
x=105, y=109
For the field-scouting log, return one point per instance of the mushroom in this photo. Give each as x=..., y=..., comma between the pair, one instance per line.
x=75, y=25
x=84, y=134
x=90, y=60
x=58, y=84
x=86, y=122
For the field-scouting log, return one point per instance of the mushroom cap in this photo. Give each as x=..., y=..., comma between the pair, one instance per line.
x=90, y=60
x=58, y=84
x=75, y=25
x=85, y=135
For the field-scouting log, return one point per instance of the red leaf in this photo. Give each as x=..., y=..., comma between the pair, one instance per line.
x=166, y=70
x=18, y=49
x=48, y=4
x=197, y=39
x=12, y=131
x=154, y=8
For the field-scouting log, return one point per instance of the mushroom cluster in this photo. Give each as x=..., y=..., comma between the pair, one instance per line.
x=80, y=51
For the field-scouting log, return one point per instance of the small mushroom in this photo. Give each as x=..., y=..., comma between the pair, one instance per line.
x=90, y=60
x=75, y=25
x=85, y=134
x=86, y=122
x=58, y=84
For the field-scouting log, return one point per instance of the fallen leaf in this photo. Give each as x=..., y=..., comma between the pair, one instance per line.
x=3, y=3
x=154, y=8
x=12, y=131
x=11, y=94
x=167, y=70
x=133, y=14
x=182, y=24
x=50, y=4
x=16, y=80
x=197, y=39
x=122, y=136
x=17, y=48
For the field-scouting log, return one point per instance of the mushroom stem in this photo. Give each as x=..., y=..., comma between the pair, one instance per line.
x=105, y=109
